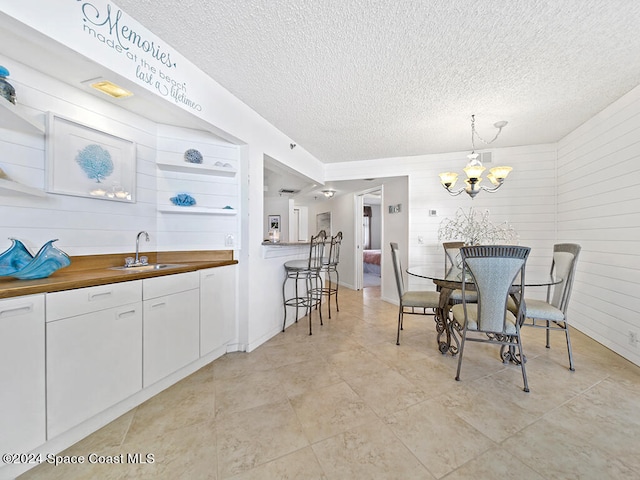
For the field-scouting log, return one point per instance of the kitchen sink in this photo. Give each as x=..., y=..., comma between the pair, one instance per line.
x=149, y=267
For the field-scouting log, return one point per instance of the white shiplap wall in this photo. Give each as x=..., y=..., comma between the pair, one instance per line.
x=95, y=226
x=599, y=208
x=526, y=201
x=184, y=230
x=83, y=225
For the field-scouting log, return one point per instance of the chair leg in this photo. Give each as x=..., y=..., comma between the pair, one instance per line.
x=524, y=371
x=566, y=331
x=460, y=353
x=319, y=298
x=329, y=284
x=284, y=302
x=548, y=327
x=337, y=286
x=309, y=283
x=400, y=312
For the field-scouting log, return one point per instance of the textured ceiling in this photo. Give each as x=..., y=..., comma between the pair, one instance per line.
x=360, y=79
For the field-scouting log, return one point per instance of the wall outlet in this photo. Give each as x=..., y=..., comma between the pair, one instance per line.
x=228, y=240
x=420, y=240
x=633, y=338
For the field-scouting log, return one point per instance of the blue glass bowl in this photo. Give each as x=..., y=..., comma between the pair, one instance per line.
x=17, y=262
x=15, y=258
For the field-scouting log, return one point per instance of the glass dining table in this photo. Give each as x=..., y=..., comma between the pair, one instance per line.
x=450, y=280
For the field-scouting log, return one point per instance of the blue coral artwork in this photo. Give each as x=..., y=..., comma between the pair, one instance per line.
x=84, y=161
x=96, y=162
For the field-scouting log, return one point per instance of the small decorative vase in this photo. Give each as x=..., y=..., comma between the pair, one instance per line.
x=6, y=89
x=193, y=156
x=274, y=235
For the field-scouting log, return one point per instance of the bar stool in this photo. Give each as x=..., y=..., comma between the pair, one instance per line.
x=309, y=271
x=329, y=266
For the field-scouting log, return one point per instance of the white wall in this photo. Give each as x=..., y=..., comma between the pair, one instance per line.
x=342, y=220
x=599, y=208
x=395, y=228
x=277, y=206
x=83, y=225
x=183, y=230
x=376, y=227
x=527, y=200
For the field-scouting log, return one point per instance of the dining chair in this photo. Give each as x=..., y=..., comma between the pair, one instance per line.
x=307, y=270
x=451, y=255
x=329, y=267
x=452, y=262
x=553, y=311
x=494, y=272
x=417, y=302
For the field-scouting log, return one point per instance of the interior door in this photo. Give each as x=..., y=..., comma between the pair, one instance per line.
x=359, y=219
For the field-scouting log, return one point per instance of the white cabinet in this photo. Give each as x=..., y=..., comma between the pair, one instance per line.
x=22, y=374
x=171, y=324
x=217, y=307
x=94, y=351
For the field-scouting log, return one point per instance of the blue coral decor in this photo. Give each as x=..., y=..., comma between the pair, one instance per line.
x=95, y=161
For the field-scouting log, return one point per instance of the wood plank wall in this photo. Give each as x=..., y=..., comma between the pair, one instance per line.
x=87, y=226
x=599, y=207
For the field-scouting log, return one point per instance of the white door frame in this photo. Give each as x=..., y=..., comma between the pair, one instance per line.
x=359, y=219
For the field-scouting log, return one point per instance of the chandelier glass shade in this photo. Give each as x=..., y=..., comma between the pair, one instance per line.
x=474, y=169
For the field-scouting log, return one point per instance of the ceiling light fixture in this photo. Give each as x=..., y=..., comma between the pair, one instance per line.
x=329, y=193
x=109, y=88
x=474, y=168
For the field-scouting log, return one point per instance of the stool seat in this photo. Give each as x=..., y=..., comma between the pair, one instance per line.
x=298, y=265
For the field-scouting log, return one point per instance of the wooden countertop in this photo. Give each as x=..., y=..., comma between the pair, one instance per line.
x=92, y=270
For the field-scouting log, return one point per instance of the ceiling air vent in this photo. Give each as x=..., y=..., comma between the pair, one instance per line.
x=287, y=191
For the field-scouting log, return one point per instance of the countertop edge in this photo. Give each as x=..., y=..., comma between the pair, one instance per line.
x=62, y=280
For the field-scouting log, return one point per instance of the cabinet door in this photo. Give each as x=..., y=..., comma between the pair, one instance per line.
x=217, y=307
x=171, y=334
x=22, y=374
x=93, y=362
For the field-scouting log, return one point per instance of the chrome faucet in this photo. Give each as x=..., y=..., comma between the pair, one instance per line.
x=146, y=237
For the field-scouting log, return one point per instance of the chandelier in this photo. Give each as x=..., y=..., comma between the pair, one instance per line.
x=474, y=168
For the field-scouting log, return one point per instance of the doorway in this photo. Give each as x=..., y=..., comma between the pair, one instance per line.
x=369, y=234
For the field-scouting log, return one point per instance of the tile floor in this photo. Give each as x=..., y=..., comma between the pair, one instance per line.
x=347, y=403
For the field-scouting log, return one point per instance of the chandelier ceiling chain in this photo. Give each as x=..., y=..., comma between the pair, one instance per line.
x=475, y=168
x=474, y=132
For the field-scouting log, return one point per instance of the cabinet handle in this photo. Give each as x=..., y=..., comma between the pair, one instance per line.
x=161, y=304
x=210, y=275
x=16, y=311
x=128, y=313
x=95, y=296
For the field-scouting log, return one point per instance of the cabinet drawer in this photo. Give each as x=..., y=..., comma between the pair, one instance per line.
x=91, y=299
x=160, y=286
